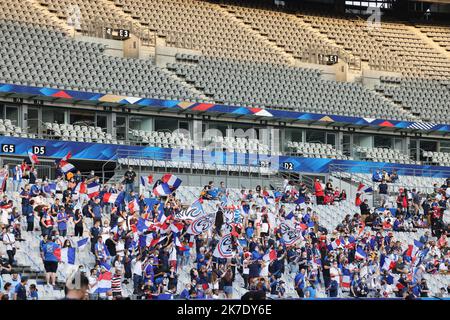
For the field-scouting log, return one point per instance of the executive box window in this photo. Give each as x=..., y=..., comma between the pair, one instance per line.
x=315, y=136
x=166, y=124
x=82, y=117
x=121, y=127
x=12, y=113
x=382, y=142
x=53, y=115
x=141, y=123
x=445, y=146
x=33, y=120
x=427, y=145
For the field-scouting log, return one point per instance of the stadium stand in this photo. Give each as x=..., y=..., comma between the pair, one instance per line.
x=314, y=150
x=257, y=57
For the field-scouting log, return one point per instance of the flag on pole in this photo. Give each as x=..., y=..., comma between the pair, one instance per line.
x=172, y=181
x=146, y=181
x=360, y=254
x=93, y=189
x=362, y=188
x=66, y=167
x=162, y=190
x=110, y=197
x=33, y=158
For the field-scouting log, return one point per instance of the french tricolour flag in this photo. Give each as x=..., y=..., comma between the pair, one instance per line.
x=68, y=255
x=387, y=263
x=362, y=188
x=93, y=189
x=33, y=158
x=334, y=245
x=162, y=190
x=360, y=254
x=146, y=181
x=80, y=188
x=82, y=243
x=66, y=167
x=133, y=205
x=104, y=282
x=270, y=256
x=110, y=197
x=414, y=248
x=143, y=225
x=172, y=181
x=346, y=278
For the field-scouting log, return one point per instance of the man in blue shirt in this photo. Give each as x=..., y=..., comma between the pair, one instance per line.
x=62, y=219
x=96, y=210
x=299, y=283
x=20, y=291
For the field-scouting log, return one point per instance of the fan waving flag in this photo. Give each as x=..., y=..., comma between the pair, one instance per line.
x=162, y=190
x=68, y=255
x=33, y=158
x=82, y=243
x=270, y=256
x=93, y=190
x=133, y=205
x=362, y=188
x=360, y=254
x=224, y=248
x=146, y=181
x=66, y=167
x=172, y=181
x=110, y=197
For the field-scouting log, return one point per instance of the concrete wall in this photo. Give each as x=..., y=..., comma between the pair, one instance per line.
x=165, y=55
x=371, y=78
x=114, y=48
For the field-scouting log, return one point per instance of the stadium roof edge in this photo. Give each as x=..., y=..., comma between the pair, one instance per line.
x=236, y=112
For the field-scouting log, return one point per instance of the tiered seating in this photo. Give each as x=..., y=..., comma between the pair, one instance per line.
x=95, y=15
x=164, y=139
x=429, y=99
x=8, y=129
x=285, y=30
x=189, y=22
x=262, y=84
x=242, y=145
x=439, y=34
x=315, y=150
x=401, y=40
x=442, y=158
x=186, y=163
x=44, y=57
x=384, y=155
x=23, y=11
x=77, y=133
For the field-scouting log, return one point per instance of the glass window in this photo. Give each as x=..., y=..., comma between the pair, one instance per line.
x=82, y=117
x=102, y=121
x=141, y=123
x=293, y=135
x=445, y=146
x=331, y=139
x=166, y=124
x=121, y=127
x=315, y=136
x=382, y=142
x=33, y=120
x=428, y=145
x=53, y=115
x=12, y=113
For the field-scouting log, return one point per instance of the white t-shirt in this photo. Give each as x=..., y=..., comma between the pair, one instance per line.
x=9, y=240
